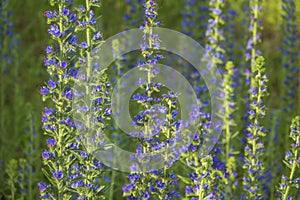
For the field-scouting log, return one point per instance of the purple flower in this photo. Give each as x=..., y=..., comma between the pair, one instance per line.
x=128, y=188
x=49, y=49
x=51, y=83
x=84, y=45
x=57, y=174
x=160, y=185
x=65, y=12
x=73, y=40
x=72, y=18
x=67, y=93
x=51, y=142
x=46, y=154
x=83, y=154
x=63, y=65
x=45, y=196
x=44, y=90
x=54, y=30
x=42, y=186
x=49, y=111
x=174, y=114
x=49, y=14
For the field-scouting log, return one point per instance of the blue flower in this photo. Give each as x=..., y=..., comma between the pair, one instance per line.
x=46, y=154
x=57, y=174
x=54, y=30
x=44, y=90
x=42, y=186
x=51, y=142
x=65, y=12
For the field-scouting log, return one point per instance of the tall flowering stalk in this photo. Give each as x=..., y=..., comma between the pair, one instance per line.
x=292, y=161
x=6, y=36
x=29, y=171
x=57, y=123
x=134, y=13
x=229, y=32
x=70, y=170
x=215, y=49
x=88, y=171
x=242, y=76
x=199, y=181
x=22, y=182
x=229, y=107
x=11, y=170
x=215, y=34
x=229, y=124
x=194, y=20
x=273, y=158
x=289, y=61
x=289, y=54
x=158, y=183
x=255, y=26
x=254, y=150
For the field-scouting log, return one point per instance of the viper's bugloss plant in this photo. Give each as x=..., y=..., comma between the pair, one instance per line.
x=254, y=149
x=289, y=63
x=88, y=171
x=11, y=170
x=69, y=170
x=252, y=49
x=215, y=34
x=194, y=20
x=28, y=171
x=289, y=55
x=158, y=183
x=6, y=36
x=11, y=100
x=229, y=107
x=198, y=184
x=230, y=35
x=22, y=182
x=290, y=184
x=134, y=13
x=57, y=123
x=215, y=49
x=229, y=134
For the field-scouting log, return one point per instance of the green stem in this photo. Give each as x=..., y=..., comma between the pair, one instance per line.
x=88, y=57
x=60, y=187
x=292, y=171
x=254, y=37
x=200, y=192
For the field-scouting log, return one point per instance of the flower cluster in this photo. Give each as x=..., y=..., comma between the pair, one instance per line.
x=229, y=32
x=254, y=149
x=252, y=51
x=292, y=161
x=200, y=180
x=229, y=123
x=194, y=19
x=57, y=122
x=70, y=171
x=229, y=106
x=133, y=13
x=289, y=58
x=158, y=120
x=215, y=33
